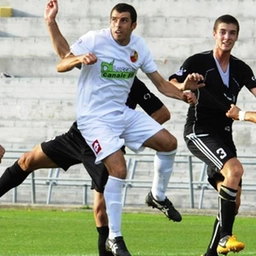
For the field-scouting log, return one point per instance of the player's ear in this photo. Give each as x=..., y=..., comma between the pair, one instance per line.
x=134, y=25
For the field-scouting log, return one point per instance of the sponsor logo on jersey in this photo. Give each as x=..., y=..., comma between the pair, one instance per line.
x=96, y=146
x=108, y=70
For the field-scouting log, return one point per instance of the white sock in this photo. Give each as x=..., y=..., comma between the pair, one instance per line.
x=163, y=166
x=113, y=198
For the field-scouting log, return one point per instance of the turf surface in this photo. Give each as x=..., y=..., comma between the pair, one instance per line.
x=41, y=232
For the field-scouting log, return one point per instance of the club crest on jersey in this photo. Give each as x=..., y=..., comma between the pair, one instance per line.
x=96, y=146
x=181, y=72
x=134, y=56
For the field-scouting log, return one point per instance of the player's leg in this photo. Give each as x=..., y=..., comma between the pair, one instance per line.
x=99, y=175
x=52, y=153
x=116, y=166
x=146, y=132
x=163, y=167
x=215, y=179
x=101, y=221
x=156, y=198
x=213, y=248
x=212, y=150
x=14, y=175
x=232, y=171
x=103, y=136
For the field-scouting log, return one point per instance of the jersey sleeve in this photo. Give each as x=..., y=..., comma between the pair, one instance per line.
x=142, y=96
x=249, y=78
x=84, y=44
x=184, y=70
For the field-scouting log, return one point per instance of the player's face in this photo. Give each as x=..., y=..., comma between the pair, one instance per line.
x=225, y=36
x=121, y=27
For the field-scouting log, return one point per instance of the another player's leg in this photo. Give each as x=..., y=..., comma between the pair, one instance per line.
x=227, y=205
x=156, y=198
x=216, y=179
x=101, y=221
x=14, y=175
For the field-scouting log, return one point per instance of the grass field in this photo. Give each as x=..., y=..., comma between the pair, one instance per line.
x=34, y=232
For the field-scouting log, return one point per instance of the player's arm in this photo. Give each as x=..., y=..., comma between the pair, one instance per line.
x=176, y=91
x=60, y=44
x=71, y=61
x=151, y=104
x=237, y=114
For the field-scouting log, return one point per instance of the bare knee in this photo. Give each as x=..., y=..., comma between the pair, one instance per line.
x=24, y=162
x=170, y=143
x=116, y=165
x=27, y=160
x=162, y=141
x=233, y=172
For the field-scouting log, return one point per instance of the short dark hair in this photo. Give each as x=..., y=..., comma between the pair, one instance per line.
x=228, y=19
x=122, y=7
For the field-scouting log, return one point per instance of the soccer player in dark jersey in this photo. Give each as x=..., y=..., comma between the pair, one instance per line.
x=237, y=114
x=208, y=131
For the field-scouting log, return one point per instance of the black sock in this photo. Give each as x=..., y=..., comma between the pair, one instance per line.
x=212, y=247
x=227, y=210
x=12, y=177
x=103, y=235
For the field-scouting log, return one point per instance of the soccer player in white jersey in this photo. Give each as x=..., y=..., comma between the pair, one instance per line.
x=110, y=59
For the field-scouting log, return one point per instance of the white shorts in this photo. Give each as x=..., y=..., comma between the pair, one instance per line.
x=109, y=133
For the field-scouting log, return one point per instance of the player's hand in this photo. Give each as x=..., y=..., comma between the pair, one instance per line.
x=88, y=59
x=189, y=97
x=2, y=152
x=193, y=82
x=233, y=112
x=51, y=10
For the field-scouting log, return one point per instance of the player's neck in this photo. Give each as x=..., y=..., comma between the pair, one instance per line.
x=223, y=58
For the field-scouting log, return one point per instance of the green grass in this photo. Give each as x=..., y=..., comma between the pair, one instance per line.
x=72, y=233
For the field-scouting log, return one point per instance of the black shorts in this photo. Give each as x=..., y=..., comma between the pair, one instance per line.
x=69, y=149
x=213, y=150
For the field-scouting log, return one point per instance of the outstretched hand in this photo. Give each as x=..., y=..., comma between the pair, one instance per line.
x=193, y=81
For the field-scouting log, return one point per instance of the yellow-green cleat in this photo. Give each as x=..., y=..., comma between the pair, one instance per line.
x=229, y=244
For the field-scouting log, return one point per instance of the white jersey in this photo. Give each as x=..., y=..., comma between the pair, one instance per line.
x=103, y=87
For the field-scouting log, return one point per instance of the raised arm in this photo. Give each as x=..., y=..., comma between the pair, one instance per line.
x=60, y=44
